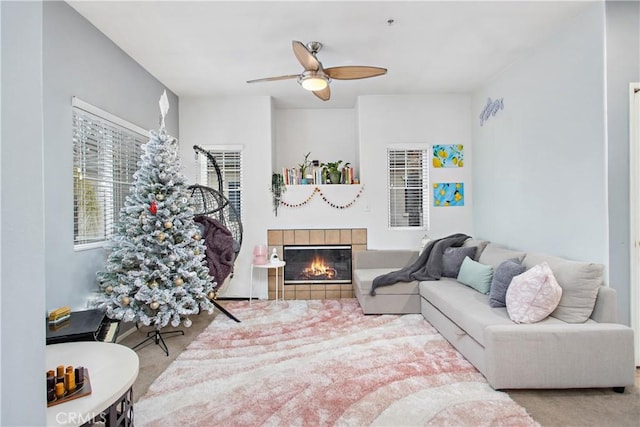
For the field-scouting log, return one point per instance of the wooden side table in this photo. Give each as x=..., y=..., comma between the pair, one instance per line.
x=113, y=368
x=273, y=264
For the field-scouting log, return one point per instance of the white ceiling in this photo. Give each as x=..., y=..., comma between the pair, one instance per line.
x=211, y=48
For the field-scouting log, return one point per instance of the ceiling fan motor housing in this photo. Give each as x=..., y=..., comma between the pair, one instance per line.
x=314, y=47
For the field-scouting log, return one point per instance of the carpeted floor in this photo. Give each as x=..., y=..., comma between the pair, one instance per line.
x=600, y=407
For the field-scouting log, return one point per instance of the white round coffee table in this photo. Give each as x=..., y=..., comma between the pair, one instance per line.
x=113, y=368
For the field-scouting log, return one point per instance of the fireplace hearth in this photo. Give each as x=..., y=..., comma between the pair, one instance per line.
x=317, y=264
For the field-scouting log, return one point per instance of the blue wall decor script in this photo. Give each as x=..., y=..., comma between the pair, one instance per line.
x=491, y=109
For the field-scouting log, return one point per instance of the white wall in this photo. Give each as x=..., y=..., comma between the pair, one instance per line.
x=317, y=213
x=329, y=134
x=245, y=121
x=405, y=119
x=540, y=171
x=623, y=67
x=379, y=121
x=0, y=205
x=22, y=284
x=249, y=121
x=108, y=78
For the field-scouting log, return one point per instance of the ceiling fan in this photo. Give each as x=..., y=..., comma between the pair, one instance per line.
x=315, y=78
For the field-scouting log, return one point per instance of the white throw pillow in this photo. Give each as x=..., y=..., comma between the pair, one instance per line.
x=533, y=295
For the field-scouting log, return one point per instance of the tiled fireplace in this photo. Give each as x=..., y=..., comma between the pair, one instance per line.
x=328, y=281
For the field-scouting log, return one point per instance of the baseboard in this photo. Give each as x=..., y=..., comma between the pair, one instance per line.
x=125, y=334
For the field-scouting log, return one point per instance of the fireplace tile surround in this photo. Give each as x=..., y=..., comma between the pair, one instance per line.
x=277, y=238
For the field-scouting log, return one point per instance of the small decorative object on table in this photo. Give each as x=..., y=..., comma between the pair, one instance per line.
x=260, y=254
x=65, y=384
x=59, y=315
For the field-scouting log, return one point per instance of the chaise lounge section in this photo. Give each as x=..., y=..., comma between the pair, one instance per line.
x=580, y=345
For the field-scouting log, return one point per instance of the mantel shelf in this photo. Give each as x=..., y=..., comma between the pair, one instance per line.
x=338, y=196
x=322, y=185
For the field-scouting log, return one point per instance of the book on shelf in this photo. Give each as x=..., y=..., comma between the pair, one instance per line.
x=347, y=175
x=292, y=176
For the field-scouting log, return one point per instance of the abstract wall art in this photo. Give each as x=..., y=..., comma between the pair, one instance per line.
x=448, y=194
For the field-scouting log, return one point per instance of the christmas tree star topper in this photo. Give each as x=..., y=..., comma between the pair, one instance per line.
x=164, y=107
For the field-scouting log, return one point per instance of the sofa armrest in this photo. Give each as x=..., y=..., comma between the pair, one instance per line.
x=559, y=356
x=606, y=304
x=383, y=258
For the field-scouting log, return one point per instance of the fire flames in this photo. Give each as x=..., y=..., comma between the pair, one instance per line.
x=318, y=270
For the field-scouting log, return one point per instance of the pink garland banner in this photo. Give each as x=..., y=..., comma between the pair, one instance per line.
x=317, y=190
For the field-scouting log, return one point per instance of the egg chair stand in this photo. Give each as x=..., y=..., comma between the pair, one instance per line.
x=225, y=311
x=212, y=203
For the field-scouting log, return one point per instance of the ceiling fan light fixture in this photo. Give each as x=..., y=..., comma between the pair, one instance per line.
x=313, y=81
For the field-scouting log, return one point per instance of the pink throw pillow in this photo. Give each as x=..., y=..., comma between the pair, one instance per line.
x=533, y=295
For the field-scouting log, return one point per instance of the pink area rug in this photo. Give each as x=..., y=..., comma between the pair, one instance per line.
x=322, y=363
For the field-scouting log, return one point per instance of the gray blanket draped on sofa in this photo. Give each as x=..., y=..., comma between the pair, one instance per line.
x=428, y=266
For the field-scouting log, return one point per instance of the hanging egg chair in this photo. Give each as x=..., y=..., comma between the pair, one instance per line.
x=211, y=203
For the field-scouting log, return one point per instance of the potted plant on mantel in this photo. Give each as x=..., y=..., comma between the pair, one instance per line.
x=277, y=188
x=333, y=171
x=306, y=163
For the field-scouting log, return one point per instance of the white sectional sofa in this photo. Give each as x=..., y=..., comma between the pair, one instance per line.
x=552, y=353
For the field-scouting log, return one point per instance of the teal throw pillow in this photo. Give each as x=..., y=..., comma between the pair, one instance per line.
x=475, y=275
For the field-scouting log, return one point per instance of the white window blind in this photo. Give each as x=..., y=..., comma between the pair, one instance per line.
x=408, y=187
x=106, y=151
x=229, y=161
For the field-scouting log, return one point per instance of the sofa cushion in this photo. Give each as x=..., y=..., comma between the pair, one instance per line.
x=533, y=295
x=579, y=281
x=501, y=280
x=452, y=260
x=476, y=275
x=364, y=277
x=478, y=244
x=466, y=307
x=494, y=255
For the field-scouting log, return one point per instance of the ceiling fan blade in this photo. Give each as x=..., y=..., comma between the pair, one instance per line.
x=323, y=94
x=308, y=61
x=273, y=79
x=354, y=72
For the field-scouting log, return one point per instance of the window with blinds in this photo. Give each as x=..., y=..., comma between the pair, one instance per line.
x=408, y=187
x=106, y=151
x=229, y=161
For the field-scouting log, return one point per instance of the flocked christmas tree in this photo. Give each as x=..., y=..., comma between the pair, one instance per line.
x=156, y=272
